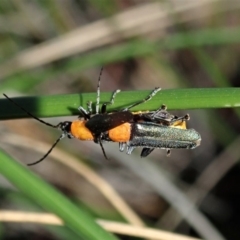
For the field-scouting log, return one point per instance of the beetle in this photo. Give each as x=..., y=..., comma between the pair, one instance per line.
x=124, y=127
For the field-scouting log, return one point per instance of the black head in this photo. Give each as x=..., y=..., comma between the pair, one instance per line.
x=65, y=126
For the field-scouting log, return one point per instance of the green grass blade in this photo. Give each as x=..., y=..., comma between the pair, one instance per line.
x=51, y=200
x=64, y=105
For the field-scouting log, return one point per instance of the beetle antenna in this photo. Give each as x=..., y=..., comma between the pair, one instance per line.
x=49, y=151
x=28, y=113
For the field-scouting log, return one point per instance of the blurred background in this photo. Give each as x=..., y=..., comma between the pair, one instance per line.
x=58, y=47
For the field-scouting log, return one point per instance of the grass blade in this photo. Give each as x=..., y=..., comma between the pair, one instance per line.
x=65, y=105
x=51, y=200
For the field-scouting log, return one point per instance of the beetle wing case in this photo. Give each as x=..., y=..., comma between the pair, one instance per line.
x=152, y=135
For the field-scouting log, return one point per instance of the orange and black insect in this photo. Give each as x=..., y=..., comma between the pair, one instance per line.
x=149, y=129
